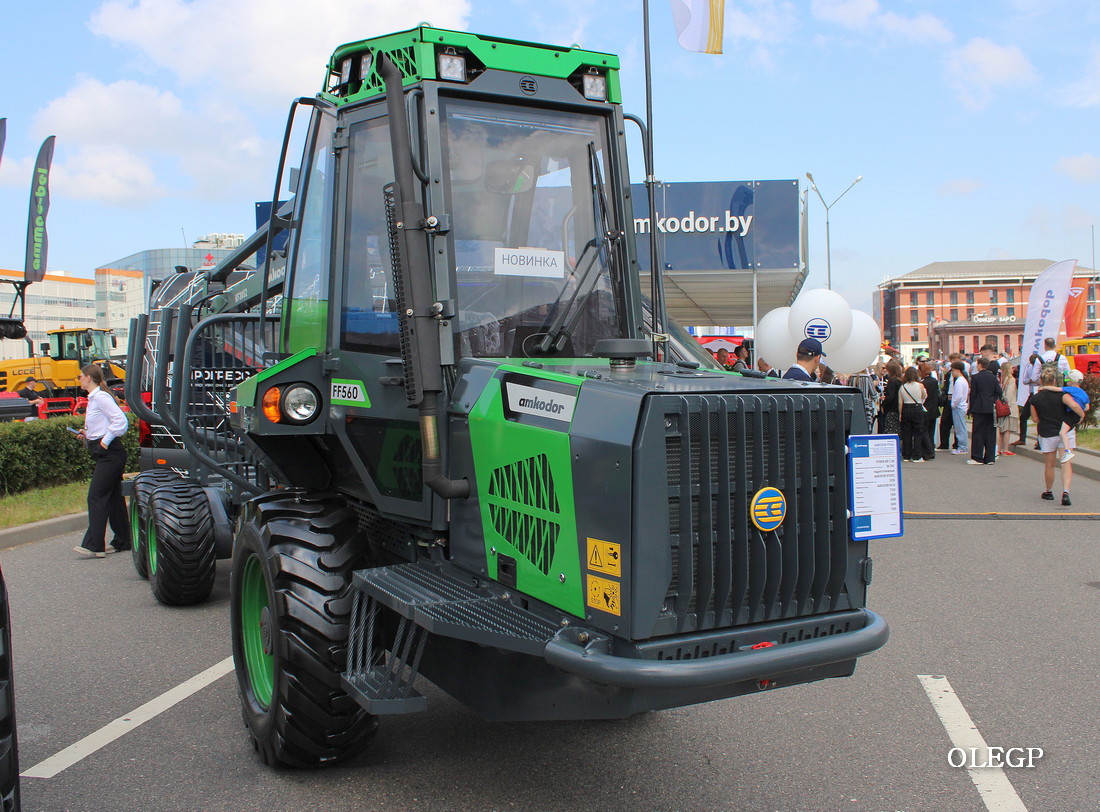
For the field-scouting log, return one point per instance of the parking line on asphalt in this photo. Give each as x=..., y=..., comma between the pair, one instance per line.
x=995, y=789
x=124, y=724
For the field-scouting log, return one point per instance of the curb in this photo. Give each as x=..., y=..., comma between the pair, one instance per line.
x=45, y=529
x=1086, y=464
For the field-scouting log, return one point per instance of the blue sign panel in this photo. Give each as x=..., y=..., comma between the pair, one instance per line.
x=874, y=486
x=718, y=225
x=263, y=214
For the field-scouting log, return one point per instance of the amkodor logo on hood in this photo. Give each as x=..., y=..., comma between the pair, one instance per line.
x=540, y=403
x=768, y=508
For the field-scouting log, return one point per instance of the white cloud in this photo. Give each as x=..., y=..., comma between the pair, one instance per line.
x=981, y=67
x=1082, y=168
x=866, y=15
x=107, y=174
x=1086, y=92
x=960, y=187
x=761, y=21
x=924, y=27
x=111, y=136
x=271, y=49
x=848, y=13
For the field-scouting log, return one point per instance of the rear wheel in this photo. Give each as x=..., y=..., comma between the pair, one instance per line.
x=291, y=595
x=144, y=484
x=179, y=540
x=9, y=751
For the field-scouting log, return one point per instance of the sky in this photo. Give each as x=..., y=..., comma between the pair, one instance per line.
x=974, y=125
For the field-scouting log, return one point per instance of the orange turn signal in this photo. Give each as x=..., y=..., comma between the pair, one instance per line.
x=271, y=405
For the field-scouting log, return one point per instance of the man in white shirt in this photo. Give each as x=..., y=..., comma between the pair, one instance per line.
x=1030, y=372
x=960, y=401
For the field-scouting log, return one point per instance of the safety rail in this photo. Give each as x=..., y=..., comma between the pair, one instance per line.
x=220, y=352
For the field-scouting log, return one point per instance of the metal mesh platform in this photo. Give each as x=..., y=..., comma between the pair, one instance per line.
x=450, y=608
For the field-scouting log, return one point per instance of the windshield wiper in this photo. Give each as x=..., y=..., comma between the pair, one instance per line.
x=565, y=321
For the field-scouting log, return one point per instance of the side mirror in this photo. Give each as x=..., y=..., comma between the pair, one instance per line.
x=87, y=340
x=114, y=342
x=44, y=348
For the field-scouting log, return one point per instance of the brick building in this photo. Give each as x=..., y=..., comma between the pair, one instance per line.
x=960, y=306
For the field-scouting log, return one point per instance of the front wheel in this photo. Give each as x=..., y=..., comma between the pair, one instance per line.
x=290, y=598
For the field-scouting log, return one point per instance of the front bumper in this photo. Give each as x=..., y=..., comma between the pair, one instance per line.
x=592, y=661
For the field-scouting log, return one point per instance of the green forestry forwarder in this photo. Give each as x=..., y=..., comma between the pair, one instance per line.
x=432, y=435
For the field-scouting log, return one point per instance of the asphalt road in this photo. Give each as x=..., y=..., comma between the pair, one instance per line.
x=1006, y=609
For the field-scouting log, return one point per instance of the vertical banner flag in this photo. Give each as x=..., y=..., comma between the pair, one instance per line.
x=35, y=266
x=699, y=24
x=1075, y=308
x=1046, y=304
x=3, y=135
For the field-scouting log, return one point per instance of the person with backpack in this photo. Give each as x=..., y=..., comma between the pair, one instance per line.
x=1070, y=419
x=1048, y=408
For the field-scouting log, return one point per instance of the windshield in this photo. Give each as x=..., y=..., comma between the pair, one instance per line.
x=530, y=221
x=73, y=346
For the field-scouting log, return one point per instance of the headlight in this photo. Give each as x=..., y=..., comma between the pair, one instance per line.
x=300, y=403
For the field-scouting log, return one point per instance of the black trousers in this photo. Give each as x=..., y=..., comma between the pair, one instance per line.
x=105, y=502
x=947, y=428
x=983, y=438
x=1025, y=415
x=913, y=434
x=930, y=434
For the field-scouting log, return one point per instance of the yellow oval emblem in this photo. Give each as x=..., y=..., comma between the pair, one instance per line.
x=768, y=508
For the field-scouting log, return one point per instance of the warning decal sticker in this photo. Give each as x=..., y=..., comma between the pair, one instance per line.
x=604, y=595
x=604, y=556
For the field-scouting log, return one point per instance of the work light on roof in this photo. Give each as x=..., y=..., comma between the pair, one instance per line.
x=345, y=71
x=595, y=86
x=452, y=66
x=365, y=65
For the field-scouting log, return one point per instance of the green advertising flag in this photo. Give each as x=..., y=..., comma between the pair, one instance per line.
x=35, y=267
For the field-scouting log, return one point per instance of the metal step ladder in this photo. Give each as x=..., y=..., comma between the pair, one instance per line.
x=427, y=601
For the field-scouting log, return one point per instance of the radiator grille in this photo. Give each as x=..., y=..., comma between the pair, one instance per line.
x=719, y=451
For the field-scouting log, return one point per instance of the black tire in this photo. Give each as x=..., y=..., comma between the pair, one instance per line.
x=290, y=598
x=144, y=484
x=179, y=540
x=9, y=749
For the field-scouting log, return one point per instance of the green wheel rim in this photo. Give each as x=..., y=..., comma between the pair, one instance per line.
x=254, y=605
x=151, y=544
x=135, y=521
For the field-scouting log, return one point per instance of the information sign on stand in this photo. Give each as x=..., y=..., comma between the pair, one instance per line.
x=874, y=479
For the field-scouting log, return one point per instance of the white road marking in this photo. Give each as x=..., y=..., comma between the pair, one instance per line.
x=995, y=789
x=124, y=724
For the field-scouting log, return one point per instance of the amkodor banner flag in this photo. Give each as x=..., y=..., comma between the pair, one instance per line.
x=35, y=266
x=1046, y=305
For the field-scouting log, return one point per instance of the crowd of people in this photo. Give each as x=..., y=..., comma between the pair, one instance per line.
x=928, y=403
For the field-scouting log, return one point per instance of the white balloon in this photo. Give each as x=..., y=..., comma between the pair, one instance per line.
x=822, y=314
x=774, y=342
x=860, y=350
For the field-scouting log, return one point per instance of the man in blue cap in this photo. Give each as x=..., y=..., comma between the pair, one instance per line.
x=807, y=360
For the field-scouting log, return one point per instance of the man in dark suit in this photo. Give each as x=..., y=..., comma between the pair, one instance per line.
x=985, y=390
x=931, y=406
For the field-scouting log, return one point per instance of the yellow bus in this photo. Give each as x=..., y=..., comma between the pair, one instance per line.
x=1083, y=353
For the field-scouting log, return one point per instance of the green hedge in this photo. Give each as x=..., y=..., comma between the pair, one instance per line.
x=41, y=453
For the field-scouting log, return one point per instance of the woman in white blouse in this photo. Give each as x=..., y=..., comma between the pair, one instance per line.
x=104, y=425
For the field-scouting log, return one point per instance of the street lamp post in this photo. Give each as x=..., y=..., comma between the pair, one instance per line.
x=828, y=245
